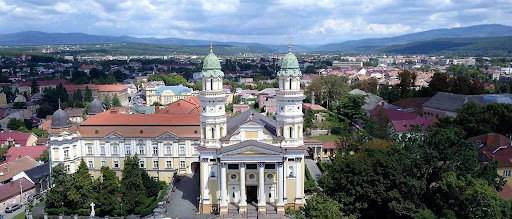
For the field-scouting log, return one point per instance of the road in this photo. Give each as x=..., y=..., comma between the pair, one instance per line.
x=184, y=201
x=313, y=169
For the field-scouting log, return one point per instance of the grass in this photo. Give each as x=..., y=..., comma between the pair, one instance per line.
x=326, y=137
x=20, y=216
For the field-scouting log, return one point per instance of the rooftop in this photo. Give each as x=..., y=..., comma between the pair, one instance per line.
x=10, y=169
x=12, y=189
x=99, y=87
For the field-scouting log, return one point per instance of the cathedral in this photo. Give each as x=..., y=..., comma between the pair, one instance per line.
x=251, y=160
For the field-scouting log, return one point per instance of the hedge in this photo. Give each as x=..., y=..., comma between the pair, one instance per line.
x=149, y=210
x=147, y=203
x=66, y=211
x=118, y=213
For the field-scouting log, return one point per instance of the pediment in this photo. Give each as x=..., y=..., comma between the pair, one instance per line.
x=114, y=135
x=251, y=124
x=167, y=135
x=248, y=148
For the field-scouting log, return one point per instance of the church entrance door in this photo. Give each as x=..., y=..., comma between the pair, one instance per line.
x=252, y=194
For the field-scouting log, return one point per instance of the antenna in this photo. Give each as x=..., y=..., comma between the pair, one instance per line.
x=290, y=43
x=211, y=43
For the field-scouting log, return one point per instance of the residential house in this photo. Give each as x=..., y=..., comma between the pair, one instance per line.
x=11, y=169
x=101, y=91
x=17, y=152
x=401, y=121
x=16, y=191
x=16, y=138
x=240, y=108
x=267, y=100
x=371, y=100
x=26, y=86
x=167, y=94
x=39, y=176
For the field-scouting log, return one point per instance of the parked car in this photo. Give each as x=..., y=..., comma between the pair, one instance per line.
x=12, y=207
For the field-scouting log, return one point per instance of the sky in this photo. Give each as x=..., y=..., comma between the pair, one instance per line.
x=264, y=21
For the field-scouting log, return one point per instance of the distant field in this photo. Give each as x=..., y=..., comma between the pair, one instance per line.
x=326, y=137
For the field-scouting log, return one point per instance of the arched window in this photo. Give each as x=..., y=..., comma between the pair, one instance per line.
x=281, y=131
x=291, y=132
x=290, y=83
x=204, y=132
x=213, y=132
x=211, y=84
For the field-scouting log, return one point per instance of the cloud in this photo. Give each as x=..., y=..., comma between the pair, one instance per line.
x=263, y=21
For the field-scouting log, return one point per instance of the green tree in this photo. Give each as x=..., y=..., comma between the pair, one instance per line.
x=108, y=191
x=407, y=80
x=115, y=101
x=45, y=157
x=369, y=86
x=132, y=186
x=321, y=206
x=151, y=186
x=107, y=102
x=58, y=194
x=77, y=95
x=87, y=94
x=328, y=89
x=390, y=93
x=15, y=124
x=80, y=187
x=34, y=87
x=350, y=107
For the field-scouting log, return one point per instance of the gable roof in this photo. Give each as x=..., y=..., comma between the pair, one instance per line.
x=16, y=136
x=37, y=173
x=175, y=89
x=184, y=106
x=12, y=168
x=269, y=125
x=401, y=120
x=371, y=100
x=495, y=147
x=452, y=102
x=117, y=119
x=32, y=151
x=12, y=189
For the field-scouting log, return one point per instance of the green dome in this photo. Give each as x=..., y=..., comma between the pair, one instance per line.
x=211, y=66
x=290, y=65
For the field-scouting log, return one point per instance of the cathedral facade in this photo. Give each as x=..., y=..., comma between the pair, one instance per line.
x=251, y=160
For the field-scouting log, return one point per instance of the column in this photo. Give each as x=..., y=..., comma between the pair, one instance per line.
x=280, y=188
x=223, y=189
x=243, y=200
x=261, y=188
x=298, y=181
x=204, y=183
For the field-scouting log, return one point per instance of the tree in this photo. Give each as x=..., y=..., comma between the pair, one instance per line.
x=58, y=194
x=115, y=101
x=350, y=107
x=80, y=187
x=369, y=86
x=309, y=118
x=378, y=126
x=87, y=94
x=407, y=80
x=45, y=157
x=439, y=82
x=151, y=186
x=45, y=110
x=15, y=124
x=108, y=191
x=328, y=88
x=321, y=206
x=107, y=102
x=390, y=93
x=34, y=87
x=77, y=95
x=132, y=186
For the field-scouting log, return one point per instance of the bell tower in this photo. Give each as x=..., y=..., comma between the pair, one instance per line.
x=289, y=102
x=213, y=101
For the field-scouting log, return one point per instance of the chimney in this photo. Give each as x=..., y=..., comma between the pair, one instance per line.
x=312, y=98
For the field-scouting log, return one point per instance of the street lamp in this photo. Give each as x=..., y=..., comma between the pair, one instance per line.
x=62, y=207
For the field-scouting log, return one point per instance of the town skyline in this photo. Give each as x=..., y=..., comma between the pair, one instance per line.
x=309, y=22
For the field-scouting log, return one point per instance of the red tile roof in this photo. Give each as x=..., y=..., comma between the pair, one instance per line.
x=189, y=105
x=108, y=119
x=329, y=145
x=506, y=192
x=19, y=165
x=45, y=83
x=12, y=189
x=17, y=152
x=99, y=87
x=18, y=137
x=308, y=106
x=402, y=121
x=414, y=102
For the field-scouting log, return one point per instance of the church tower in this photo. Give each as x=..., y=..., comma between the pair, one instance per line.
x=213, y=100
x=289, y=102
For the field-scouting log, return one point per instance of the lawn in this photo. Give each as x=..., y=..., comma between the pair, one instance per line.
x=20, y=216
x=326, y=137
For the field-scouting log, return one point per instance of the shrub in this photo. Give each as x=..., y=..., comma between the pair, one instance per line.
x=149, y=210
x=118, y=213
x=83, y=212
x=57, y=211
x=146, y=204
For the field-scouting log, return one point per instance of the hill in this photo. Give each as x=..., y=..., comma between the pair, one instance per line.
x=486, y=30
x=476, y=46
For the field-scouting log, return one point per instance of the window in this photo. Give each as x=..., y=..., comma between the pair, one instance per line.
x=128, y=149
x=155, y=149
x=66, y=154
x=291, y=172
x=232, y=166
x=168, y=149
x=115, y=149
x=168, y=164
x=194, y=149
x=116, y=164
x=182, y=164
x=68, y=169
x=213, y=171
x=90, y=164
x=252, y=166
x=182, y=149
x=141, y=164
x=506, y=173
x=102, y=149
x=155, y=164
x=141, y=149
x=89, y=148
x=270, y=166
x=103, y=163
